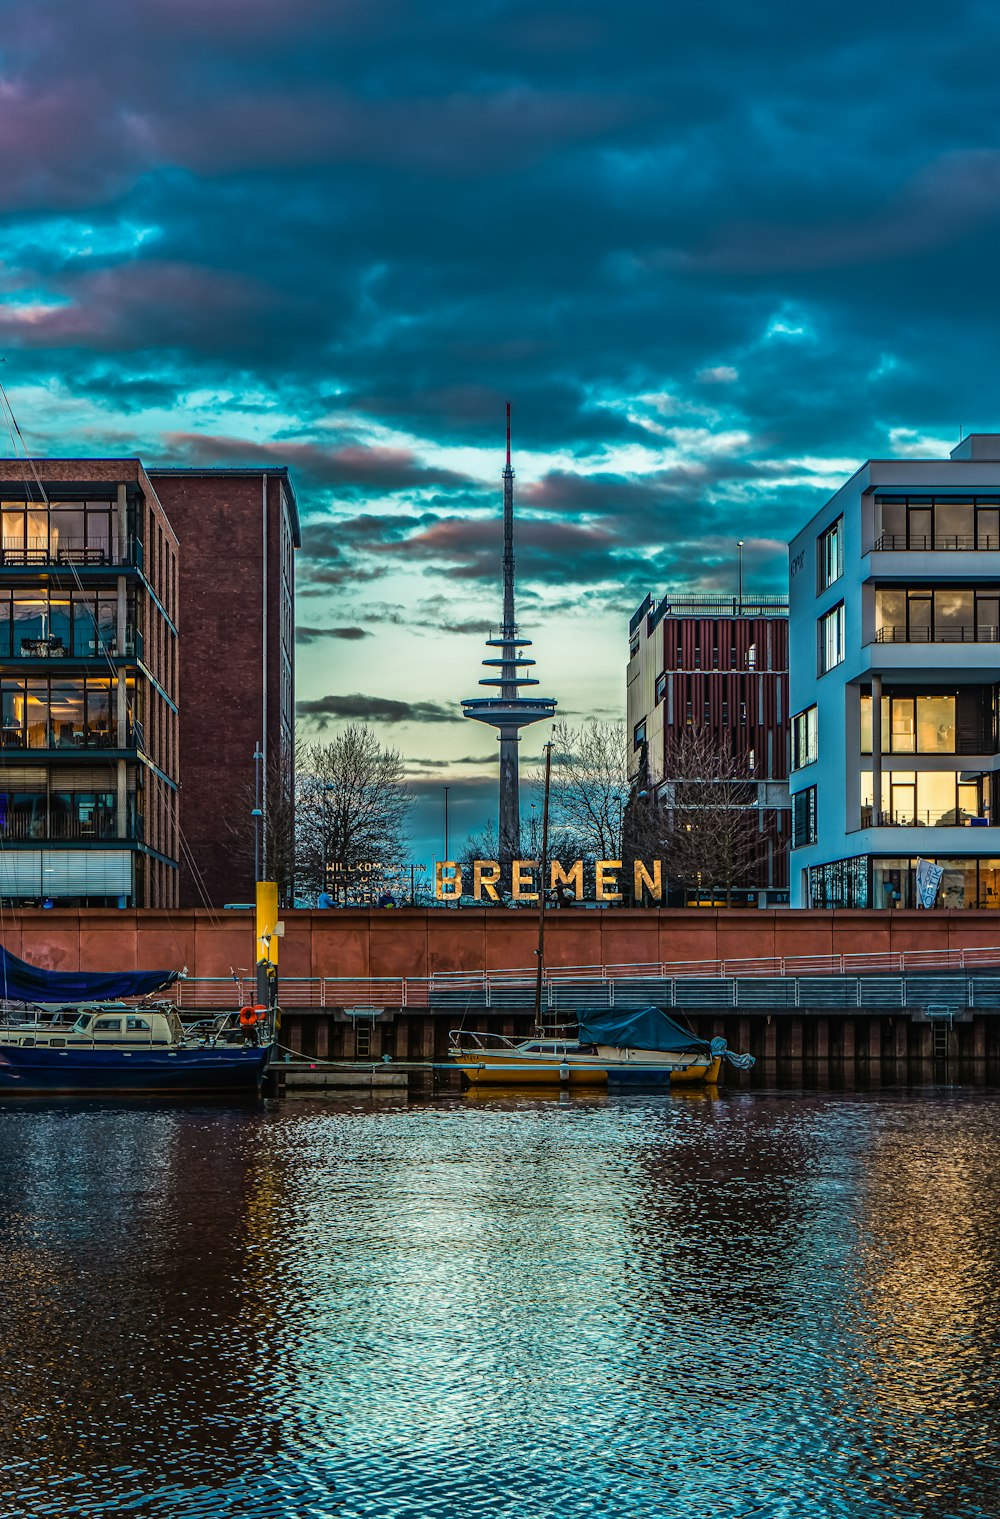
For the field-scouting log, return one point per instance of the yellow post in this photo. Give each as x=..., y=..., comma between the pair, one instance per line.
x=267, y=922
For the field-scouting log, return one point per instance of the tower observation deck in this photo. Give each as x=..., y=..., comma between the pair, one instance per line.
x=508, y=711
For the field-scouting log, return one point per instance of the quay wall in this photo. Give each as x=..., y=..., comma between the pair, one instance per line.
x=428, y=941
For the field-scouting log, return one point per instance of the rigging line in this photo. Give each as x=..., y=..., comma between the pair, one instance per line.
x=197, y=876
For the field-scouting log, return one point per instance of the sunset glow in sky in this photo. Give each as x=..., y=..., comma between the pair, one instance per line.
x=715, y=256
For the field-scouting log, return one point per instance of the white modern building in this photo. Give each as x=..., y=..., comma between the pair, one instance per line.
x=894, y=609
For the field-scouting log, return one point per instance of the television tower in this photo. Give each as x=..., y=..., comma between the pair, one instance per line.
x=507, y=711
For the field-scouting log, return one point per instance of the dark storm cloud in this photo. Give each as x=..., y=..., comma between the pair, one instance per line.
x=323, y=710
x=370, y=224
x=374, y=468
x=309, y=635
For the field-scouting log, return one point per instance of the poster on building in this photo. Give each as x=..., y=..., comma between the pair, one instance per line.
x=928, y=880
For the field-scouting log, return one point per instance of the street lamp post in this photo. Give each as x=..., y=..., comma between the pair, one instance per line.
x=258, y=812
x=446, y=790
x=739, y=576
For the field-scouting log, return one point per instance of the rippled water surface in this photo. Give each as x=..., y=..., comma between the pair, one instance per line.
x=753, y=1304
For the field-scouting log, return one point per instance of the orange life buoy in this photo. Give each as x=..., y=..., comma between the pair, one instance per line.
x=252, y=1015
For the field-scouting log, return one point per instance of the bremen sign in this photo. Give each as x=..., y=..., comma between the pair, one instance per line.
x=482, y=880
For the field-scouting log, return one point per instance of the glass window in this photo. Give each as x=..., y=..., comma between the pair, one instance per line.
x=937, y=803
x=919, y=616
x=639, y=734
x=137, y=1025
x=661, y=687
x=67, y=712
x=831, y=641
x=902, y=725
x=953, y=525
x=902, y=788
x=804, y=817
x=805, y=738
x=98, y=727
x=893, y=524
x=31, y=620
x=12, y=714
x=953, y=615
x=920, y=525
x=988, y=528
x=890, y=616
x=67, y=532
x=987, y=618
x=935, y=724
x=108, y=1026
x=831, y=554
x=36, y=713
x=958, y=884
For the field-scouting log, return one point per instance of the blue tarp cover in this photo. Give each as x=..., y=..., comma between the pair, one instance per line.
x=21, y=982
x=638, y=1028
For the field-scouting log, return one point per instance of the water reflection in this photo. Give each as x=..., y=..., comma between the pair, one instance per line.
x=753, y=1302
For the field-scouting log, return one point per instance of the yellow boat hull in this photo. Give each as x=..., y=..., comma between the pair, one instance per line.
x=483, y=1068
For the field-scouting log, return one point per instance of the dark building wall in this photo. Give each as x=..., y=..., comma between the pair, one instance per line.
x=238, y=530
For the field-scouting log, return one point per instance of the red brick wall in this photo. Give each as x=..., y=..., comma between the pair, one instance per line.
x=218, y=520
x=419, y=942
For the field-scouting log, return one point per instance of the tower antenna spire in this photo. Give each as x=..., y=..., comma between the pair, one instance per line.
x=508, y=711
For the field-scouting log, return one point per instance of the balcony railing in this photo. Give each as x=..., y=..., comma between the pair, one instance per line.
x=24, y=553
x=17, y=829
x=954, y=817
x=964, y=633
x=943, y=542
x=64, y=737
x=54, y=647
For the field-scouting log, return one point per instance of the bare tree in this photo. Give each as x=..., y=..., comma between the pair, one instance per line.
x=273, y=833
x=352, y=809
x=706, y=816
x=589, y=790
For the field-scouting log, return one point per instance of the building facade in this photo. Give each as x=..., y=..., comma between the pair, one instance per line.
x=719, y=663
x=895, y=621
x=238, y=530
x=88, y=686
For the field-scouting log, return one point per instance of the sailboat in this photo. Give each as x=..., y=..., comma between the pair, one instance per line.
x=632, y=1045
x=612, y=1044
x=91, y=1042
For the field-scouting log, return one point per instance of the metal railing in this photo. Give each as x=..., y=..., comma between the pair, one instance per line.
x=964, y=633
x=954, y=817
x=945, y=542
x=787, y=980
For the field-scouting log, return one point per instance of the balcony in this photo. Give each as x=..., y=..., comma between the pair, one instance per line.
x=955, y=817
x=102, y=647
x=963, y=633
x=31, y=553
x=64, y=736
x=919, y=543
x=20, y=828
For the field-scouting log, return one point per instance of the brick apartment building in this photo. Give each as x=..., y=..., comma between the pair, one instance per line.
x=146, y=651
x=238, y=530
x=720, y=663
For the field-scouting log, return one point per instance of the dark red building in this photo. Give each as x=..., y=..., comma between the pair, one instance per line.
x=720, y=663
x=238, y=530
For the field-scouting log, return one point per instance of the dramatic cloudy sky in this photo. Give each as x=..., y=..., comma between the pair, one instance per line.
x=714, y=255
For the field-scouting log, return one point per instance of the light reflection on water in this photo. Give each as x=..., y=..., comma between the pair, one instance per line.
x=752, y=1304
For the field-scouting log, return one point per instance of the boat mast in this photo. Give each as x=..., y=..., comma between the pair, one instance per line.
x=543, y=873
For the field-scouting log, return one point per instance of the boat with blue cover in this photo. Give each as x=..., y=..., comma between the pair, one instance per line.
x=631, y=1045
x=113, y=1048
